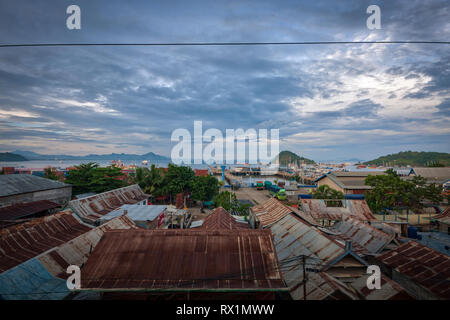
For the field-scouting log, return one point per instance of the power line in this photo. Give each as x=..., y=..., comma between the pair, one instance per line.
x=165, y=44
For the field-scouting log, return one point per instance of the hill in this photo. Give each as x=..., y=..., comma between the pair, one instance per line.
x=8, y=156
x=412, y=158
x=150, y=156
x=285, y=158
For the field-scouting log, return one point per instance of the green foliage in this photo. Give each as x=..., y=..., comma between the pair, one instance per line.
x=204, y=188
x=150, y=181
x=178, y=179
x=90, y=177
x=50, y=173
x=327, y=193
x=390, y=191
x=229, y=202
x=413, y=158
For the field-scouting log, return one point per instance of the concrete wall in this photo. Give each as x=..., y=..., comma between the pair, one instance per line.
x=330, y=183
x=59, y=195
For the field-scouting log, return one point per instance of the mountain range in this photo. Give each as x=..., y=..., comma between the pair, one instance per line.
x=150, y=156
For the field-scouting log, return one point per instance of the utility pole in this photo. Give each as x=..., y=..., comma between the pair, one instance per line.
x=304, y=277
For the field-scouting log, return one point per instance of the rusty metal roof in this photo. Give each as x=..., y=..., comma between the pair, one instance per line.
x=372, y=239
x=11, y=184
x=318, y=209
x=389, y=290
x=321, y=286
x=43, y=276
x=272, y=210
x=26, y=209
x=188, y=259
x=27, y=240
x=94, y=207
x=443, y=217
x=423, y=265
x=221, y=219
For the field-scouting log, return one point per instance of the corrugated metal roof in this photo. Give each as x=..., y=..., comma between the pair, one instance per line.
x=221, y=219
x=43, y=277
x=272, y=210
x=389, y=290
x=434, y=175
x=318, y=209
x=423, y=265
x=94, y=207
x=372, y=239
x=321, y=286
x=26, y=209
x=27, y=240
x=137, y=213
x=444, y=217
x=11, y=184
x=189, y=259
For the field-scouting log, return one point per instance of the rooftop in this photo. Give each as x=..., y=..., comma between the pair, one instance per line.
x=189, y=259
x=221, y=219
x=137, y=213
x=12, y=184
x=26, y=209
x=318, y=209
x=421, y=264
x=436, y=175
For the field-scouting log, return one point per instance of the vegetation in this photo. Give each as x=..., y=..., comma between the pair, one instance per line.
x=229, y=202
x=205, y=188
x=50, y=173
x=287, y=157
x=328, y=193
x=150, y=181
x=90, y=177
x=413, y=158
x=8, y=156
x=391, y=192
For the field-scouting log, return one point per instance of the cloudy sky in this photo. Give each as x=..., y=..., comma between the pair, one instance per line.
x=329, y=101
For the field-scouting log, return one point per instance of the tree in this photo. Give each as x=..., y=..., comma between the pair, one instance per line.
x=150, y=181
x=327, y=193
x=392, y=192
x=81, y=177
x=204, y=188
x=229, y=202
x=50, y=173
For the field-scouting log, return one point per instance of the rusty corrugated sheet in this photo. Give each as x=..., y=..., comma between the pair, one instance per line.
x=372, y=239
x=423, y=265
x=92, y=208
x=27, y=240
x=293, y=237
x=321, y=286
x=389, y=290
x=317, y=209
x=443, y=217
x=188, y=259
x=26, y=209
x=221, y=219
x=272, y=210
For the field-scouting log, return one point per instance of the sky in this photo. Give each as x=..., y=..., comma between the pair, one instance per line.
x=329, y=102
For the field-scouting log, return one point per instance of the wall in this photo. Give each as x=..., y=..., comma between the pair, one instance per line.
x=60, y=196
x=330, y=183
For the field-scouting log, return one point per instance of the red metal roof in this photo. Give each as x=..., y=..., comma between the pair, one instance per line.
x=94, y=207
x=389, y=290
x=27, y=240
x=318, y=209
x=26, y=209
x=201, y=172
x=221, y=219
x=183, y=260
x=421, y=264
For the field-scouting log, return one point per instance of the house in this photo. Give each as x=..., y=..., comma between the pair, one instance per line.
x=34, y=256
x=443, y=221
x=352, y=182
x=13, y=214
x=184, y=264
x=147, y=217
x=439, y=176
x=222, y=219
x=23, y=188
x=90, y=209
x=422, y=271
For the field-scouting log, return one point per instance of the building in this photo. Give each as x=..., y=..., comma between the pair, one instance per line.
x=147, y=217
x=347, y=182
x=90, y=209
x=443, y=221
x=422, y=271
x=222, y=219
x=439, y=176
x=34, y=256
x=326, y=212
x=13, y=214
x=23, y=188
x=184, y=264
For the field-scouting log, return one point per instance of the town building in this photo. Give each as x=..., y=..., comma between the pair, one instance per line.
x=352, y=182
x=14, y=214
x=24, y=188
